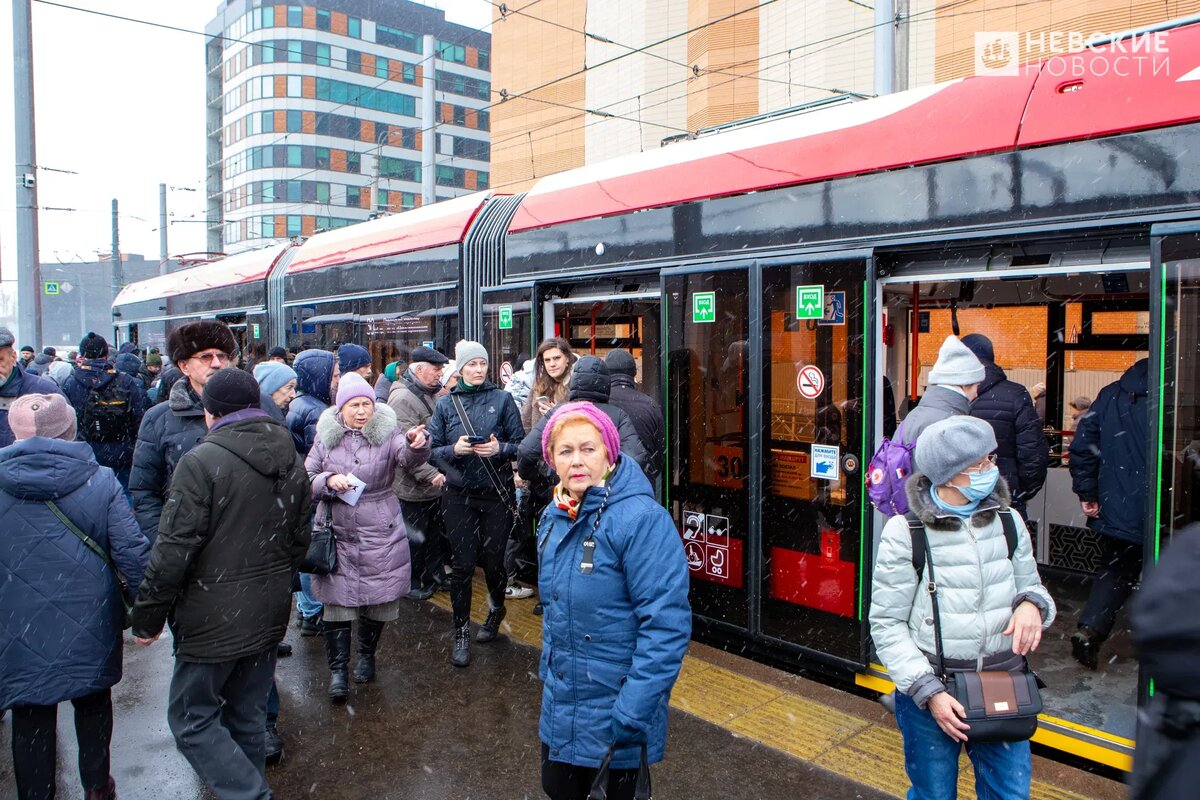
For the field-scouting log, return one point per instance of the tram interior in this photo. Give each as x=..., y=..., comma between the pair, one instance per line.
x=1068, y=334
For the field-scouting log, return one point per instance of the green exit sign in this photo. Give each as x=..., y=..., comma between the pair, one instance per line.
x=505, y=318
x=704, y=307
x=810, y=302
x=257, y=330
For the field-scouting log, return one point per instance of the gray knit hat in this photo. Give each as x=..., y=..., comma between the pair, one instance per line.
x=465, y=351
x=946, y=448
x=955, y=365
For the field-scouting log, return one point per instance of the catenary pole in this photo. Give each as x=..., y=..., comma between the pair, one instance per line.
x=29, y=273
x=428, y=124
x=885, y=46
x=900, y=75
x=118, y=273
x=162, y=229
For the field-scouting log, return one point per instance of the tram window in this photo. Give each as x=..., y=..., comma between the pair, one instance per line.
x=1180, y=393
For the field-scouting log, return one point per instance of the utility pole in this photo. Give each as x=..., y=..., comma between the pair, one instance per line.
x=885, y=46
x=118, y=271
x=162, y=229
x=428, y=124
x=29, y=272
x=900, y=73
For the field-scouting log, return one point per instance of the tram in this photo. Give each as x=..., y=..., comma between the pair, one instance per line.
x=772, y=279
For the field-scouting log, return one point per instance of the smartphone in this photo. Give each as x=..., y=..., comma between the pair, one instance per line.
x=473, y=440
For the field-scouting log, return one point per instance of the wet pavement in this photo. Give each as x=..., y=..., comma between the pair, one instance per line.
x=424, y=731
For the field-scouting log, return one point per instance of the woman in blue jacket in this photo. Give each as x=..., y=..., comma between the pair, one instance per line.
x=614, y=582
x=61, y=604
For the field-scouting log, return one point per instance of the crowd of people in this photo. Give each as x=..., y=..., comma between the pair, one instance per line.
x=215, y=476
x=188, y=497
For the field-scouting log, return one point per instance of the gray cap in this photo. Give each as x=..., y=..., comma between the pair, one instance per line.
x=465, y=351
x=955, y=365
x=6, y=337
x=946, y=448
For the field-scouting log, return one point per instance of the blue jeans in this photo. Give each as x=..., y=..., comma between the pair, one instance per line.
x=1002, y=771
x=308, y=605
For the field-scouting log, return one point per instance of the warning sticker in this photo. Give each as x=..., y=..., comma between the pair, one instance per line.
x=506, y=373
x=825, y=462
x=694, y=527
x=810, y=382
x=695, y=556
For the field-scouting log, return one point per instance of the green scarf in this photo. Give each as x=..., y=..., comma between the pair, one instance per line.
x=463, y=386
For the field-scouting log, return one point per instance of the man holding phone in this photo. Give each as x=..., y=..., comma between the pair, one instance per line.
x=413, y=397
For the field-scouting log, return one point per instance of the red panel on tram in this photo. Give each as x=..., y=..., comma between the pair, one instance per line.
x=819, y=581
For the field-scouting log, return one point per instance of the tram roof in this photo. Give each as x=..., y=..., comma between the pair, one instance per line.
x=445, y=222
x=1074, y=96
x=230, y=271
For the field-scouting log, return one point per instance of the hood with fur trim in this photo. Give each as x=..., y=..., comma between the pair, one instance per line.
x=920, y=503
x=378, y=429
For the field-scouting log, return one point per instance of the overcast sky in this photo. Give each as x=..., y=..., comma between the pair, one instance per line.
x=120, y=109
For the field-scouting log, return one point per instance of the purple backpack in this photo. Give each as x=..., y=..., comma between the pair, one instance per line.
x=886, y=475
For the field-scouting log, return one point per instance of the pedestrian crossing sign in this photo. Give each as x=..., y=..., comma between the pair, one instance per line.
x=51, y=287
x=810, y=302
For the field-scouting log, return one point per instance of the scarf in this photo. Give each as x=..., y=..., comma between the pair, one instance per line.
x=964, y=511
x=564, y=500
x=463, y=386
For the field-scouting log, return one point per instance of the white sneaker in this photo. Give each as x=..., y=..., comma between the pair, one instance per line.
x=516, y=591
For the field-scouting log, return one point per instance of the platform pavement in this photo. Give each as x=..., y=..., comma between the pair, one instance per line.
x=843, y=734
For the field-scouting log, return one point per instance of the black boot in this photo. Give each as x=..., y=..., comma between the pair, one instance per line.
x=337, y=651
x=1085, y=646
x=461, y=655
x=491, y=625
x=369, y=631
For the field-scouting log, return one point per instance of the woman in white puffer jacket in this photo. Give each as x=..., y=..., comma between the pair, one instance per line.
x=993, y=609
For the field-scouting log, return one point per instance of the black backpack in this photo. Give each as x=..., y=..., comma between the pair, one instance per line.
x=916, y=529
x=107, y=414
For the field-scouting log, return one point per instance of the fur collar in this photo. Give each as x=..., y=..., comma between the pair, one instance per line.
x=917, y=490
x=378, y=429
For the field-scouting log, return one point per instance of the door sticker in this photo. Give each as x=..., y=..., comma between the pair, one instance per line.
x=810, y=302
x=825, y=460
x=835, y=309
x=810, y=382
x=694, y=527
x=704, y=307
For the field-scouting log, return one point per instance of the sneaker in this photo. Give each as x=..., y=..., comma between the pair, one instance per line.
x=516, y=591
x=420, y=593
x=491, y=626
x=1085, y=647
x=310, y=626
x=274, y=745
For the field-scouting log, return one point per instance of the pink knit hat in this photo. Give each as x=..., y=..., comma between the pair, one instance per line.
x=586, y=412
x=353, y=385
x=47, y=415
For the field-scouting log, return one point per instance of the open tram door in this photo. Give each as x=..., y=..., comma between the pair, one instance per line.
x=767, y=397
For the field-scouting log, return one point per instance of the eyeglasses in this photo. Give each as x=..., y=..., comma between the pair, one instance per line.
x=982, y=466
x=220, y=358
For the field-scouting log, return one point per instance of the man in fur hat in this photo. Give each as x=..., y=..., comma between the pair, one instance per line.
x=169, y=430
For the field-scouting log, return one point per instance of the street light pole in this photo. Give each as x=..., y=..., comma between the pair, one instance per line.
x=29, y=273
x=162, y=229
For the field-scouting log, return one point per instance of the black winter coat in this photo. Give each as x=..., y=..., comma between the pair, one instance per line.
x=1022, y=452
x=235, y=527
x=97, y=375
x=1166, y=635
x=647, y=419
x=314, y=374
x=169, y=431
x=491, y=411
x=1108, y=455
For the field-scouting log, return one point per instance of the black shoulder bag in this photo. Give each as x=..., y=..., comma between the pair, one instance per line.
x=321, y=558
x=1000, y=706
x=599, y=789
x=94, y=546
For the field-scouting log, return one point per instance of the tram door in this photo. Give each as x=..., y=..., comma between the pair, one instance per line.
x=765, y=388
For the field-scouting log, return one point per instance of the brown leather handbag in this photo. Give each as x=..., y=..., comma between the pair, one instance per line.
x=1000, y=706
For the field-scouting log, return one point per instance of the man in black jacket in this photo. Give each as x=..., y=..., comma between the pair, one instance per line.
x=234, y=528
x=169, y=430
x=643, y=411
x=1108, y=474
x=1022, y=452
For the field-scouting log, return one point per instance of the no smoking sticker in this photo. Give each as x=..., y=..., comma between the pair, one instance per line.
x=810, y=382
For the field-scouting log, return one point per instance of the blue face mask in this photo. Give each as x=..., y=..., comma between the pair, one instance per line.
x=981, y=486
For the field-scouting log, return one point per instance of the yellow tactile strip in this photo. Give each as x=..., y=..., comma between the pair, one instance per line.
x=842, y=743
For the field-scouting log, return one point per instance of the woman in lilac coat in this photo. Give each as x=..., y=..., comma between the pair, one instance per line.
x=357, y=438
